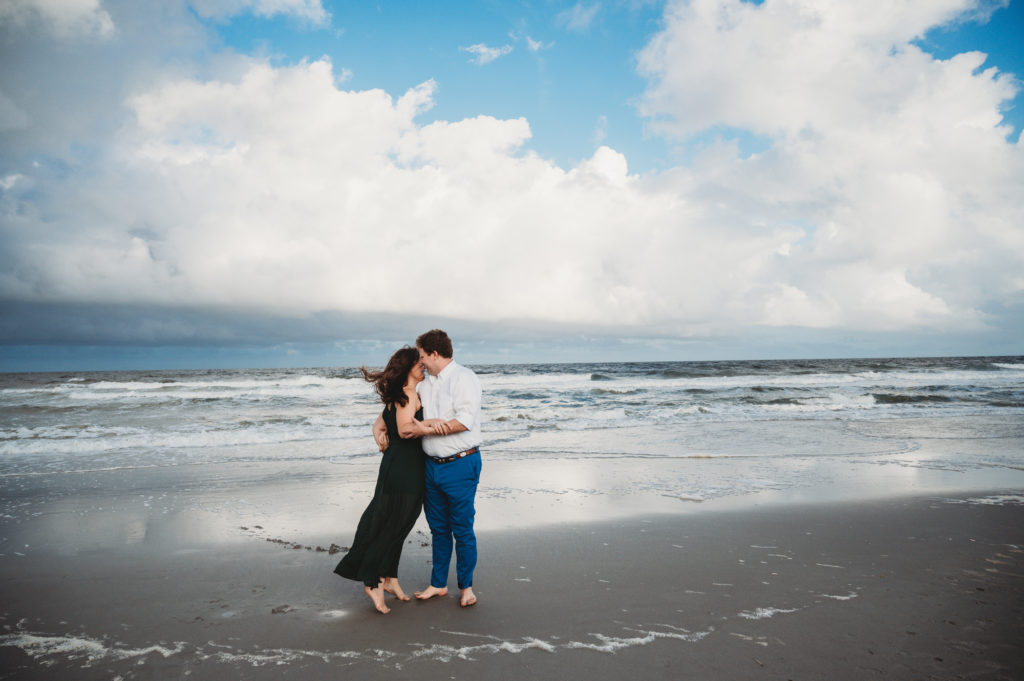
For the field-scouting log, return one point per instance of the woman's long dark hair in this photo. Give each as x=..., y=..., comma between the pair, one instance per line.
x=390, y=382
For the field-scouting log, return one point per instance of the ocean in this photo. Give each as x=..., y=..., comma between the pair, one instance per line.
x=776, y=413
x=684, y=500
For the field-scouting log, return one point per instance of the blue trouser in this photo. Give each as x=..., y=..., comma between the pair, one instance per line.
x=448, y=505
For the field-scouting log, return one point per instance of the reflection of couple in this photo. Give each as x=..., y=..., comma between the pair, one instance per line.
x=439, y=417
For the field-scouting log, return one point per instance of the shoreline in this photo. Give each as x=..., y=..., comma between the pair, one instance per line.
x=916, y=586
x=315, y=499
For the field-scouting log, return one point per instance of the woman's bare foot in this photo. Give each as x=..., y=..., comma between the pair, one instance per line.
x=430, y=592
x=468, y=597
x=377, y=596
x=391, y=586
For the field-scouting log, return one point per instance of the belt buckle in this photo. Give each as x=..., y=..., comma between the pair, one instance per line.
x=456, y=456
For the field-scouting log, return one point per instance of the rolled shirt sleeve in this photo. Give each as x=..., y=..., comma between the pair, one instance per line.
x=466, y=398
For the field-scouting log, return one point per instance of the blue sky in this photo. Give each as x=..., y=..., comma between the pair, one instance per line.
x=574, y=82
x=292, y=183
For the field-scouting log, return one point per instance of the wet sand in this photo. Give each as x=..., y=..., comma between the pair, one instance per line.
x=909, y=588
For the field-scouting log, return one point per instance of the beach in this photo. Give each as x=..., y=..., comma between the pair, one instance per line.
x=116, y=581
x=742, y=521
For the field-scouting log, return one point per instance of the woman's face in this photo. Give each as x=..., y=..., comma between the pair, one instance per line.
x=416, y=372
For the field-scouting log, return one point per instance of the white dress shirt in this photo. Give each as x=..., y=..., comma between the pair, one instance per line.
x=453, y=394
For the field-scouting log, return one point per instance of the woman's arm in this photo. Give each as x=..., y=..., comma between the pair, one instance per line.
x=408, y=426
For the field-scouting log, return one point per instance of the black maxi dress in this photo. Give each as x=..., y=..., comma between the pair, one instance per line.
x=396, y=504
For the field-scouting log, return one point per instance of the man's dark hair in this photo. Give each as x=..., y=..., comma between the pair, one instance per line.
x=437, y=341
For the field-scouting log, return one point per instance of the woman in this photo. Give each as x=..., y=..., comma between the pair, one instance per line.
x=398, y=497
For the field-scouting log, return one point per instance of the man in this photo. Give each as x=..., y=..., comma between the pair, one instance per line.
x=451, y=392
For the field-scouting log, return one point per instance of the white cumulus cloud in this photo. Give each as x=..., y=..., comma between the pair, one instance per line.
x=886, y=198
x=892, y=167
x=279, y=191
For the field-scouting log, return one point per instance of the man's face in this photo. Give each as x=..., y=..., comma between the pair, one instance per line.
x=429, y=362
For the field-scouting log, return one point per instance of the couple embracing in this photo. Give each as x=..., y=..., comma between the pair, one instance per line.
x=429, y=433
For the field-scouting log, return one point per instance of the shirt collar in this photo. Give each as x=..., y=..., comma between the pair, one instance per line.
x=447, y=371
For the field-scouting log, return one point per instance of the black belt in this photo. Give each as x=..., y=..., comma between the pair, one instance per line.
x=453, y=457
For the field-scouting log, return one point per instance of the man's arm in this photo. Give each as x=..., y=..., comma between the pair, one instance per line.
x=450, y=427
x=380, y=432
x=466, y=396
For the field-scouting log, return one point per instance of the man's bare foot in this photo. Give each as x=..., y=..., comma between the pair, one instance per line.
x=391, y=586
x=468, y=597
x=377, y=596
x=430, y=592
